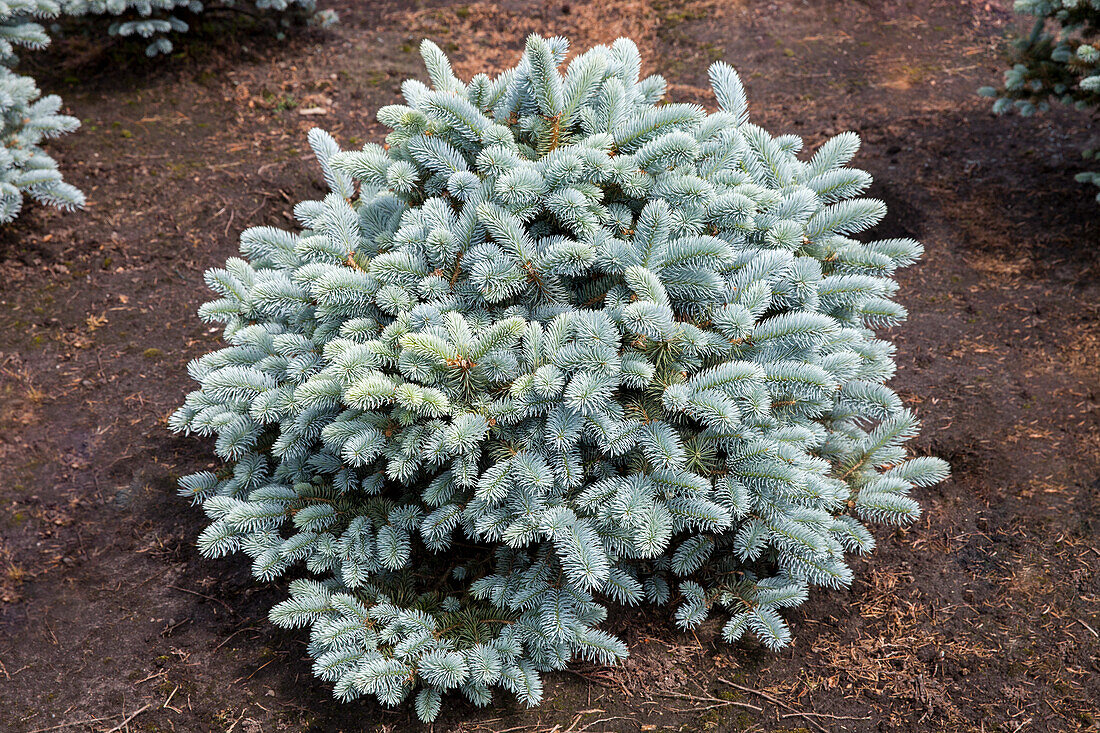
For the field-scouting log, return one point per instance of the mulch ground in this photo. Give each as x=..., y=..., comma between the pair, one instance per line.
x=985, y=616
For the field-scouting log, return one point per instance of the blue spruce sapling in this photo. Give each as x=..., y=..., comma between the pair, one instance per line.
x=556, y=345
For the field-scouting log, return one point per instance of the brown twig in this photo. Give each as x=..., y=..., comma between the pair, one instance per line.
x=203, y=595
x=712, y=701
x=775, y=701
x=226, y=639
x=245, y=679
x=824, y=715
x=59, y=726
x=130, y=717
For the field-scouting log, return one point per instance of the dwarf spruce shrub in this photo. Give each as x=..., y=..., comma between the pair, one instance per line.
x=556, y=345
x=1059, y=59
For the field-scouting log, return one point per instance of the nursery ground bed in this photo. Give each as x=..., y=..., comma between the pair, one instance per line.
x=983, y=616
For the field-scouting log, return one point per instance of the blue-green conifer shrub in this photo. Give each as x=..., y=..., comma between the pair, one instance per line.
x=556, y=345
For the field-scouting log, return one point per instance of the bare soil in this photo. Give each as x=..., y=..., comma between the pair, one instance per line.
x=983, y=617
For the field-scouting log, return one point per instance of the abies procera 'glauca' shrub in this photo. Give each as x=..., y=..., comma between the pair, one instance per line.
x=556, y=345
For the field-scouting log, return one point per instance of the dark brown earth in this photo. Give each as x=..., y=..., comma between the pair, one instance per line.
x=983, y=617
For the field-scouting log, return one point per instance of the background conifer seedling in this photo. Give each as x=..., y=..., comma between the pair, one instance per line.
x=1059, y=60
x=27, y=118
